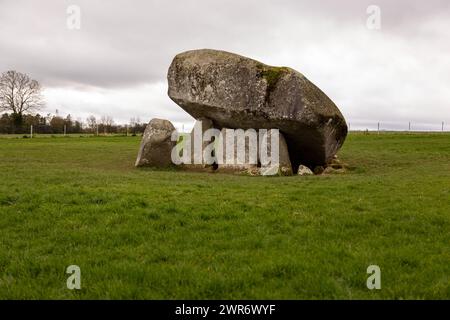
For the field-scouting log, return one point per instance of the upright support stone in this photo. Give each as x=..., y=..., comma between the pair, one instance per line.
x=237, y=150
x=273, y=153
x=198, y=145
x=156, y=145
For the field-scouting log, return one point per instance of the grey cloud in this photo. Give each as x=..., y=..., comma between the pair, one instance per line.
x=122, y=43
x=386, y=75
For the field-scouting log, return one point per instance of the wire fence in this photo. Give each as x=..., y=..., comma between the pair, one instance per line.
x=407, y=126
x=379, y=126
x=354, y=126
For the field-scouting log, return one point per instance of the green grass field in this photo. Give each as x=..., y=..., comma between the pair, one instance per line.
x=145, y=234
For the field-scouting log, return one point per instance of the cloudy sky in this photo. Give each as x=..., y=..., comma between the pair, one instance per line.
x=116, y=62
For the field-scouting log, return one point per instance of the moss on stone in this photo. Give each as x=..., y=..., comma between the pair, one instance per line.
x=272, y=75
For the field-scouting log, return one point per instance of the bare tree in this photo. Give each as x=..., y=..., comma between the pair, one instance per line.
x=19, y=94
x=109, y=123
x=106, y=123
x=92, y=123
x=133, y=125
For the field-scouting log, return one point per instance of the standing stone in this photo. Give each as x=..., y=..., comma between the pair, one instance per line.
x=237, y=150
x=237, y=92
x=283, y=166
x=156, y=145
x=197, y=146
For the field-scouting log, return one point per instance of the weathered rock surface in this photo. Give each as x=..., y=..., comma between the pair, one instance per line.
x=233, y=160
x=196, y=137
x=284, y=167
x=237, y=92
x=304, y=171
x=156, y=144
x=252, y=153
x=318, y=170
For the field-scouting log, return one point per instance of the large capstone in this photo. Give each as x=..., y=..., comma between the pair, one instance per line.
x=156, y=145
x=241, y=93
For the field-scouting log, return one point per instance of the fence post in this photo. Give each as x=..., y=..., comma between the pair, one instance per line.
x=409, y=126
x=378, y=128
x=65, y=130
x=442, y=126
x=31, y=131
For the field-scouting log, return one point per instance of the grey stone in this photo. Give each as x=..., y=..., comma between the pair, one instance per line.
x=318, y=170
x=237, y=92
x=304, y=171
x=197, y=163
x=156, y=145
x=238, y=162
x=284, y=167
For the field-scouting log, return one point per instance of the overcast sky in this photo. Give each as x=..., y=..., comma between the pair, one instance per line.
x=116, y=63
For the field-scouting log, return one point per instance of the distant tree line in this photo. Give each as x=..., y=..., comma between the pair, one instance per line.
x=20, y=96
x=55, y=124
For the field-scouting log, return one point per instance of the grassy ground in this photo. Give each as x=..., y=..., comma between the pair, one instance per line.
x=138, y=233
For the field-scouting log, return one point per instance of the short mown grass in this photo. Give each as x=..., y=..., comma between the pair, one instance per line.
x=156, y=234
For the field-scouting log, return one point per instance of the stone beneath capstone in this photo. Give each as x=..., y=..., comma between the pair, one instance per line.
x=233, y=159
x=318, y=170
x=198, y=145
x=251, y=150
x=237, y=92
x=283, y=166
x=304, y=171
x=156, y=145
